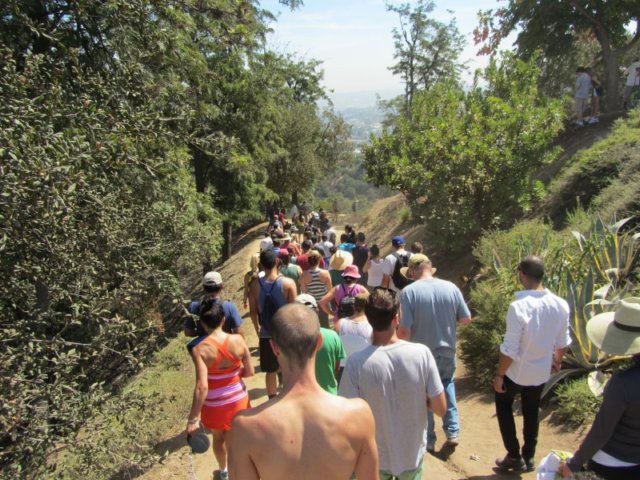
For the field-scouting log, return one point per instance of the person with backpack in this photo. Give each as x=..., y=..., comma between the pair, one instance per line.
x=393, y=263
x=343, y=295
x=213, y=287
x=266, y=296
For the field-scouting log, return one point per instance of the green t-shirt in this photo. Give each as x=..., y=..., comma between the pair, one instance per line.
x=327, y=360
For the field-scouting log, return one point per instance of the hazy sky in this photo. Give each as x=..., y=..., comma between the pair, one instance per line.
x=353, y=38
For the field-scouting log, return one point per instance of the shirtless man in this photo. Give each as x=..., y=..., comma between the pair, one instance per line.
x=304, y=432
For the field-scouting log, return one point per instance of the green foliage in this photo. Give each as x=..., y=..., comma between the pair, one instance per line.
x=577, y=405
x=97, y=207
x=405, y=214
x=120, y=440
x=480, y=340
x=464, y=159
x=426, y=50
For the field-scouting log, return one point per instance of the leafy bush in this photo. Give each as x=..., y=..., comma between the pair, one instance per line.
x=97, y=207
x=480, y=340
x=577, y=405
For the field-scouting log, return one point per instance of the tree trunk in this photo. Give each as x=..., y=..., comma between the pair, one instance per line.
x=227, y=235
x=294, y=198
x=611, y=71
x=199, y=168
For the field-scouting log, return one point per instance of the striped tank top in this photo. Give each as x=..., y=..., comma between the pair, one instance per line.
x=316, y=288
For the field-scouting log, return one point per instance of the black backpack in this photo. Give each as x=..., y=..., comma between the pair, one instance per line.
x=347, y=303
x=269, y=307
x=399, y=280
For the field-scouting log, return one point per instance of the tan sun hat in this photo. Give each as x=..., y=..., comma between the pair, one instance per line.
x=341, y=260
x=415, y=260
x=617, y=333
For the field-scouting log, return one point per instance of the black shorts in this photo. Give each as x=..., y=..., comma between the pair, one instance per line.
x=268, y=360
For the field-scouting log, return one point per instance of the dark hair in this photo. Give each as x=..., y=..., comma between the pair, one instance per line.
x=416, y=247
x=284, y=258
x=313, y=260
x=306, y=245
x=295, y=329
x=268, y=259
x=277, y=242
x=532, y=267
x=344, y=238
x=375, y=250
x=314, y=239
x=381, y=307
x=361, y=237
x=211, y=313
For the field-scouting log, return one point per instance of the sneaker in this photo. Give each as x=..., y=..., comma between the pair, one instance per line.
x=510, y=463
x=431, y=448
x=529, y=464
x=593, y=120
x=580, y=124
x=453, y=441
x=224, y=474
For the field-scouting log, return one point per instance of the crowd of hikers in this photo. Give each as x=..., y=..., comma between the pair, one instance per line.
x=359, y=354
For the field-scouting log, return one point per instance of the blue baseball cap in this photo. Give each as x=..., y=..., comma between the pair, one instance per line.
x=398, y=240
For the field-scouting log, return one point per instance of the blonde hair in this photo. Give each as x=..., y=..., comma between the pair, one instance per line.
x=254, y=262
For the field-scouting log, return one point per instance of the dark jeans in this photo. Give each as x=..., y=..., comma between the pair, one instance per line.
x=615, y=473
x=530, y=400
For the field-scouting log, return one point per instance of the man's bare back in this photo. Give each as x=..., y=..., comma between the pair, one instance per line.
x=305, y=435
x=305, y=432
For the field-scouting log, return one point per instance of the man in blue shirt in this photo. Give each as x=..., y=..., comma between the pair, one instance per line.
x=213, y=286
x=431, y=309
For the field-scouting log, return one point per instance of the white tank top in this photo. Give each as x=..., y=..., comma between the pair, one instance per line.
x=355, y=336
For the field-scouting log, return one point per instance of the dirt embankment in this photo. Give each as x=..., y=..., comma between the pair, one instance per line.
x=480, y=439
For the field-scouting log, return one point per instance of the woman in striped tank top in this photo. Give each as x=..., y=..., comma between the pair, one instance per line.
x=316, y=282
x=221, y=360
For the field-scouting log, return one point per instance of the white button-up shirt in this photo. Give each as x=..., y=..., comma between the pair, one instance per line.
x=537, y=325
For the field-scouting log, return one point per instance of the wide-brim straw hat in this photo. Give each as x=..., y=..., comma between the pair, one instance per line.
x=341, y=260
x=617, y=333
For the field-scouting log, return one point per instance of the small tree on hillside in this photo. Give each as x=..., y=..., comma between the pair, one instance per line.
x=464, y=159
x=426, y=50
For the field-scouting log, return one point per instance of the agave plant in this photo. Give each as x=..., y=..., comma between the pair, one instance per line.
x=610, y=258
x=611, y=254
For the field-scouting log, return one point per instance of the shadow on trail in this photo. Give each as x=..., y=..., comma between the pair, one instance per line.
x=257, y=392
x=497, y=475
x=466, y=389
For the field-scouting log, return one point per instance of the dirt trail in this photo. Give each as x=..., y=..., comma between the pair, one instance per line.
x=480, y=439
